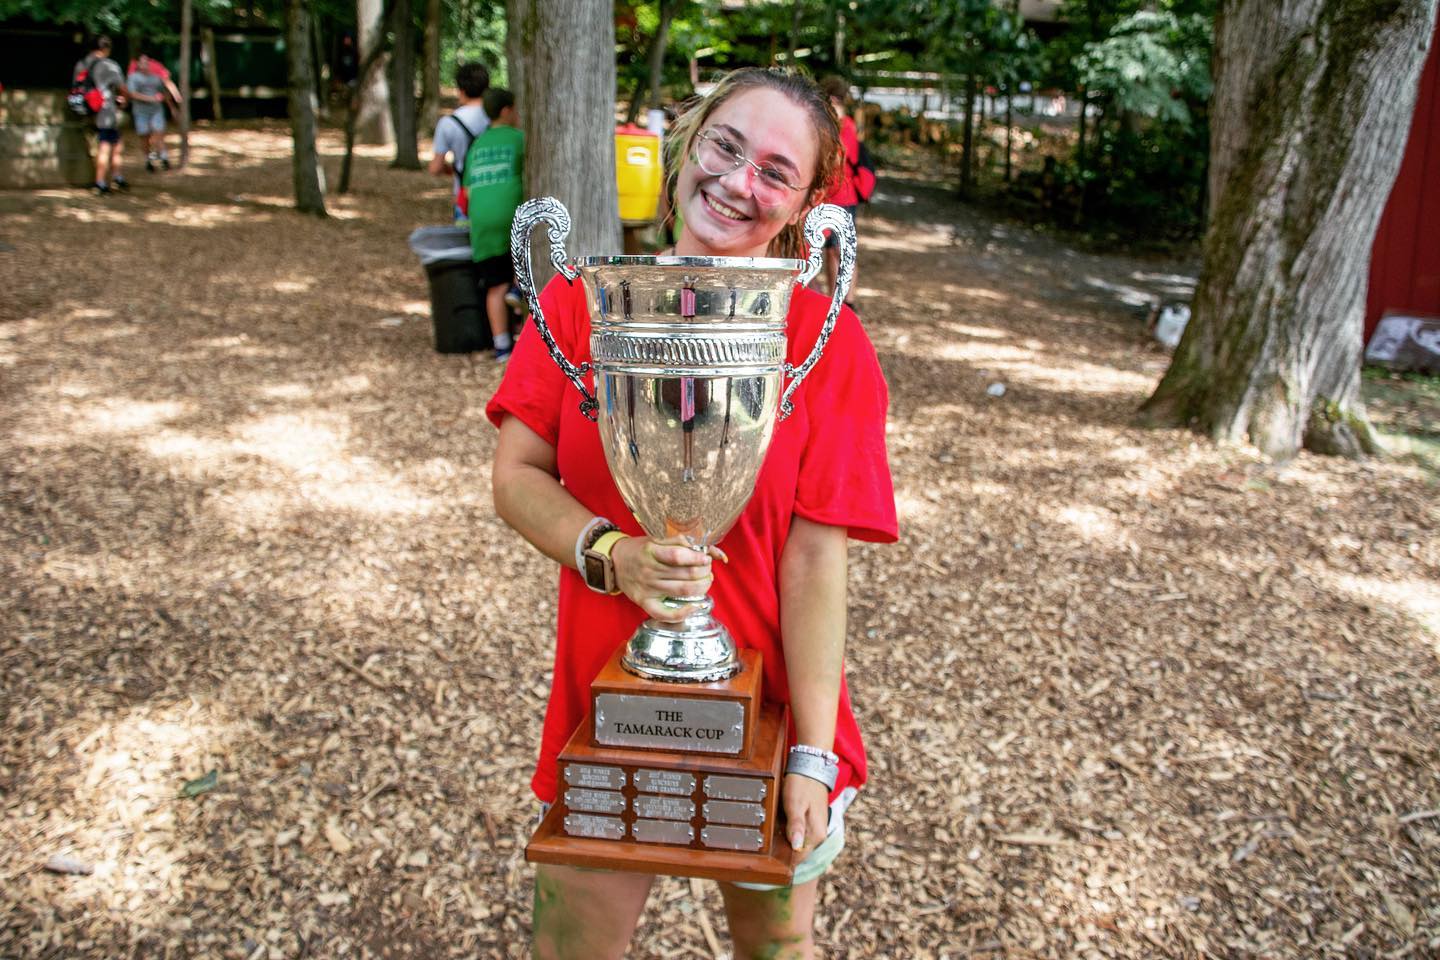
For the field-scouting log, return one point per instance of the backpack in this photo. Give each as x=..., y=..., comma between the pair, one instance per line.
x=462, y=196
x=862, y=174
x=85, y=99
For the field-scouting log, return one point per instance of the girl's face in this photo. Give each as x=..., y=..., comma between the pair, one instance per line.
x=722, y=216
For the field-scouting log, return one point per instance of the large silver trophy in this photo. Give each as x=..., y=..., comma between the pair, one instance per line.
x=688, y=355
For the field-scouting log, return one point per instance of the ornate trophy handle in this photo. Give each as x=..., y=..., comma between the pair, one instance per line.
x=827, y=216
x=551, y=212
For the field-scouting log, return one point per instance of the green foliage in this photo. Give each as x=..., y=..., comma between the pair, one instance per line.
x=471, y=31
x=1152, y=64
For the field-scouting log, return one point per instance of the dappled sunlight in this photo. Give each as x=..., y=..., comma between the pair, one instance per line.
x=1124, y=293
x=970, y=330
x=124, y=415
x=124, y=817
x=1092, y=524
x=315, y=470
x=1078, y=377
x=911, y=242
x=286, y=391
x=1412, y=597
x=94, y=214
x=205, y=216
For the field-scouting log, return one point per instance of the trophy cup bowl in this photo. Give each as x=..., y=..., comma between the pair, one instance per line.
x=688, y=355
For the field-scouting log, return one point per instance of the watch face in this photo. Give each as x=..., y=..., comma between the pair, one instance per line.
x=595, y=571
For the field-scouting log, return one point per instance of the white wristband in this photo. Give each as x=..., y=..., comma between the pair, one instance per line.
x=580, y=542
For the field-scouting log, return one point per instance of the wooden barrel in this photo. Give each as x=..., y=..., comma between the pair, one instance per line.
x=42, y=144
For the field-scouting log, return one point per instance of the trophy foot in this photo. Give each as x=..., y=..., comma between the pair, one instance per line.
x=697, y=649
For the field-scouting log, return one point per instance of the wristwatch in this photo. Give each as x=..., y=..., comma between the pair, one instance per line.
x=599, y=568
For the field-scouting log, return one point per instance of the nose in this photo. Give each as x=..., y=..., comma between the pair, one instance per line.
x=738, y=181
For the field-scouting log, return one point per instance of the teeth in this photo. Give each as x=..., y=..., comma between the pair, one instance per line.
x=723, y=210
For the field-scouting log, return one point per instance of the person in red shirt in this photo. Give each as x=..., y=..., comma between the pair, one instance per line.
x=843, y=193
x=748, y=162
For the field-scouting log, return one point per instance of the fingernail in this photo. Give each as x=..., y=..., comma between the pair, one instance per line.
x=797, y=840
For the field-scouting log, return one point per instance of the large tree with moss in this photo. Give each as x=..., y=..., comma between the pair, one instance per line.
x=1309, y=120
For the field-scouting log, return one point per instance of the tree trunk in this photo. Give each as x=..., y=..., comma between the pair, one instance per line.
x=1081, y=159
x=967, y=156
x=1310, y=116
x=373, y=124
x=317, y=68
x=567, y=110
x=1009, y=131
x=305, y=161
x=430, y=72
x=659, y=44
x=402, y=104
x=187, y=30
x=514, y=57
x=212, y=72
x=368, y=65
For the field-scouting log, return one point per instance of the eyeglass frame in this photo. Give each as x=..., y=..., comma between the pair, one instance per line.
x=710, y=136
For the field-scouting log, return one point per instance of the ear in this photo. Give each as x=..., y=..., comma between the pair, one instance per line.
x=804, y=211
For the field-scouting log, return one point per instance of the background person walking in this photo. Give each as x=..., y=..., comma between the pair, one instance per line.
x=148, y=82
x=105, y=76
x=455, y=132
x=494, y=181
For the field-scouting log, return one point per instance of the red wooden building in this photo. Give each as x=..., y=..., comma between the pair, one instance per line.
x=1405, y=261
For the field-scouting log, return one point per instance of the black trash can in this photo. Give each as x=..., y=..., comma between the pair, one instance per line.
x=457, y=306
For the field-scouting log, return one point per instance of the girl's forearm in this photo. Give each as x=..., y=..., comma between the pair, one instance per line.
x=812, y=626
x=532, y=500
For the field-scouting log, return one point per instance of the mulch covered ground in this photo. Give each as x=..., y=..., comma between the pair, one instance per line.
x=1127, y=694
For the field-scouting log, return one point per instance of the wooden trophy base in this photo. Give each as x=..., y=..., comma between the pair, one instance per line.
x=685, y=812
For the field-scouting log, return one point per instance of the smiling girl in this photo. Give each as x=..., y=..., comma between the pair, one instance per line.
x=747, y=163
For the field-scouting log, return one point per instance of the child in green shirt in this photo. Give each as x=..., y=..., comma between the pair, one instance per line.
x=495, y=183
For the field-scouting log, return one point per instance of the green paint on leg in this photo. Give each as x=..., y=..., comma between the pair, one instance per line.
x=779, y=949
x=551, y=922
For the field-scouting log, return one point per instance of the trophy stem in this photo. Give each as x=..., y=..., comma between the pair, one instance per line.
x=697, y=649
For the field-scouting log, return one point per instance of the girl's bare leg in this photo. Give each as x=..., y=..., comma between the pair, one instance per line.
x=772, y=924
x=585, y=914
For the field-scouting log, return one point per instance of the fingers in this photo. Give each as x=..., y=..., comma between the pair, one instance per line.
x=806, y=811
x=678, y=555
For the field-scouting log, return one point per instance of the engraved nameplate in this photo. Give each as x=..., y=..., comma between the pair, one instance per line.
x=597, y=778
x=725, y=811
x=732, y=838
x=669, y=723
x=590, y=825
x=735, y=788
x=662, y=831
x=601, y=801
x=664, y=781
x=664, y=808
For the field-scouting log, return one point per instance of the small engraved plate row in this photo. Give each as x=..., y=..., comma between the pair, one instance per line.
x=595, y=801
x=596, y=778
x=664, y=808
x=732, y=838
x=664, y=781
x=590, y=825
x=663, y=831
x=726, y=811
x=748, y=789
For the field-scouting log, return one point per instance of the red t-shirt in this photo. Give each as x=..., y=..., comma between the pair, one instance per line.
x=826, y=463
x=843, y=192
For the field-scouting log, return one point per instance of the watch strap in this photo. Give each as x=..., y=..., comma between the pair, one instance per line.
x=600, y=551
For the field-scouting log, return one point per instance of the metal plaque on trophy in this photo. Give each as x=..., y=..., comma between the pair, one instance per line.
x=677, y=767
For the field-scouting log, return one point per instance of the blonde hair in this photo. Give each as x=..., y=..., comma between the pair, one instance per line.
x=790, y=241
